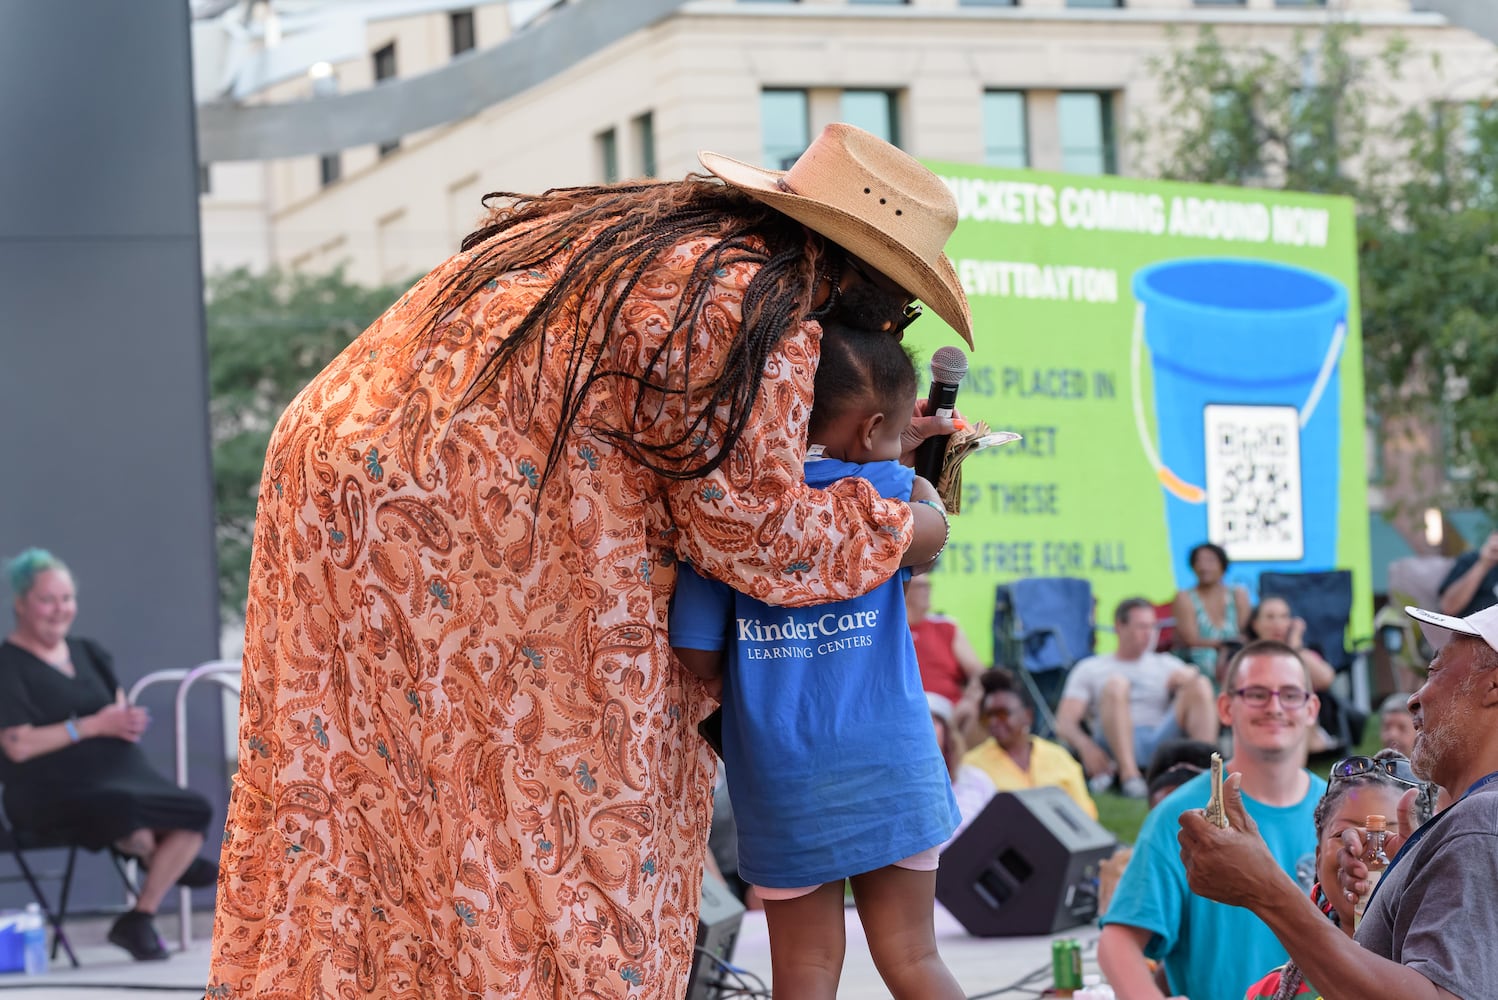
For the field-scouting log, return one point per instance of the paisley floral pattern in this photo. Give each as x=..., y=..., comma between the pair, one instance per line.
x=468, y=763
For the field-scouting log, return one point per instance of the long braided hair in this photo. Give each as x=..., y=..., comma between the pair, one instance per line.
x=1336, y=790
x=612, y=236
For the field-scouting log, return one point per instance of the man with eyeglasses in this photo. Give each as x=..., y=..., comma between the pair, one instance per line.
x=1211, y=951
x=1430, y=928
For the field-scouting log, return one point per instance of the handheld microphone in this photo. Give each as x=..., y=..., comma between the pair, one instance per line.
x=948, y=368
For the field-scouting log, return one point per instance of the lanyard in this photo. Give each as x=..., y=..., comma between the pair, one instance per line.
x=1415, y=837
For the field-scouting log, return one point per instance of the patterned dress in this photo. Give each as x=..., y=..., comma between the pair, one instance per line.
x=468, y=763
x=1205, y=657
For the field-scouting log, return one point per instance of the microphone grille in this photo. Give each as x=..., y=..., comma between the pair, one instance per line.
x=948, y=365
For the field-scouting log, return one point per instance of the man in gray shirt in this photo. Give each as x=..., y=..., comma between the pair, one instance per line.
x=1431, y=926
x=1135, y=699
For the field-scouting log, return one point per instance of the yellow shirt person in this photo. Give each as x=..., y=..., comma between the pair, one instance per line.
x=1048, y=764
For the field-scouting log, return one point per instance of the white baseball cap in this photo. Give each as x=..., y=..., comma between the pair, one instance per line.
x=1482, y=624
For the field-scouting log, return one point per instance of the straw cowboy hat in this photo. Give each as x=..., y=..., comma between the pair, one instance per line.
x=873, y=200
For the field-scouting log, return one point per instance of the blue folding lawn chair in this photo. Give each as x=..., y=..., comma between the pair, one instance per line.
x=1041, y=627
x=1324, y=600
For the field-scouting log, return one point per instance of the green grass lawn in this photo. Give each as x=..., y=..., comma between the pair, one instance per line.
x=1122, y=817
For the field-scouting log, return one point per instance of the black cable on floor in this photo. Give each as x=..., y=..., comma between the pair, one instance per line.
x=172, y=987
x=740, y=987
x=1025, y=984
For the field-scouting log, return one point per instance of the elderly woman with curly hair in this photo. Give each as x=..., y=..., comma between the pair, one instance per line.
x=1358, y=787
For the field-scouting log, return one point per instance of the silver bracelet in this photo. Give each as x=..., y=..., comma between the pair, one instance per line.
x=946, y=524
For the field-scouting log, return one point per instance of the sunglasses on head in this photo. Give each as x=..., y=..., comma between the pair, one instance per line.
x=912, y=311
x=1397, y=768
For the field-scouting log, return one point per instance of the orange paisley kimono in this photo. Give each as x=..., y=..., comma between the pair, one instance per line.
x=468, y=762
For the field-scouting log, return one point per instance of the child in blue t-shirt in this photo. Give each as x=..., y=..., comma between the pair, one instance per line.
x=833, y=766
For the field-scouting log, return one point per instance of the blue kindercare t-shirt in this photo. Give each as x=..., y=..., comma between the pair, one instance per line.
x=832, y=762
x=1210, y=950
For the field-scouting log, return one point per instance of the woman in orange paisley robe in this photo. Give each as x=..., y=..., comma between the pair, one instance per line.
x=468, y=763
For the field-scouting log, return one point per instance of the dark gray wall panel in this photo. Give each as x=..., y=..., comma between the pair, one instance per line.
x=103, y=412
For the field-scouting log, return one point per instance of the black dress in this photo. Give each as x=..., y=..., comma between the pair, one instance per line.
x=95, y=791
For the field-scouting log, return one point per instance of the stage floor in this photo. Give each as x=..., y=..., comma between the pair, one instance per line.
x=983, y=966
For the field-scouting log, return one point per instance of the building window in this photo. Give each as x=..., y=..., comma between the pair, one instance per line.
x=784, y=126
x=1006, y=132
x=1313, y=132
x=988, y=3
x=607, y=144
x=460, y=27
x=384, y=69
x=1094, y=3
x=644, y=136
x=888, y=3
x=330, y=167
x=205, y=178
x=1085, y=121
x=875, y=111
x=384, y=63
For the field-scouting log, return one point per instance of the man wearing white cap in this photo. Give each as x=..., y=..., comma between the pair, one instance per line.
x=1431, y=925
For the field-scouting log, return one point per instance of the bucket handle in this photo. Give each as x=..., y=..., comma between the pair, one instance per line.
x=1174, y=484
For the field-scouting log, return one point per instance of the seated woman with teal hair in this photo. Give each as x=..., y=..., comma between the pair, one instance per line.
x=70, y=763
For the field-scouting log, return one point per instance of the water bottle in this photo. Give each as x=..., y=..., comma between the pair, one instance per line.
x=34, y=941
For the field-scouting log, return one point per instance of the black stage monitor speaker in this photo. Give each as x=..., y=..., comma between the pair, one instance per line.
x=1027, y=865
x=718, y=921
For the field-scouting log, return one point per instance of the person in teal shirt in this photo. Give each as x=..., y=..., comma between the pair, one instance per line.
x=1210, y=950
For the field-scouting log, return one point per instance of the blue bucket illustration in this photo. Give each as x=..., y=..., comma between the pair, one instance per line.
x=1245, y=356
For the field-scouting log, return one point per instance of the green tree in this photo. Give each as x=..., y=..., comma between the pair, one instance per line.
x=1316, y=116
x=268, y=334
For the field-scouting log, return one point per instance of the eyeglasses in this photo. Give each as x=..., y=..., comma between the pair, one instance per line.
x=1397, y=768
x=998, y=714
x=912, y=311
x=1258, y=697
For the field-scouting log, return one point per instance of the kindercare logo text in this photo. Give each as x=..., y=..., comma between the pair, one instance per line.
x=843, y=631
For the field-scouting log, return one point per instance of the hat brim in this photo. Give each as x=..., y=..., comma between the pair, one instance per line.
x=935, y=286
x=1448, y=622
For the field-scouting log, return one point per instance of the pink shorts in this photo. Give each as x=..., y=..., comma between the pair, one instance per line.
x=922, y=862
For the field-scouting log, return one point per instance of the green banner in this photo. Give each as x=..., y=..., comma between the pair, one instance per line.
x=1185, y=365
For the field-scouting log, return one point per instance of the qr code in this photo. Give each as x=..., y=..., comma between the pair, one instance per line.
x=1254, y=507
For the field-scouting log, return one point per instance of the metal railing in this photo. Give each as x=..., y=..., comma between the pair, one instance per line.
x=225, y=673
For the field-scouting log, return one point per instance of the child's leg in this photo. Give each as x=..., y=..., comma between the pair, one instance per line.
x=896, y=906
x=807, y=940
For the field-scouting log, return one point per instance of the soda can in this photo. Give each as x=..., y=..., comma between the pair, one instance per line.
x=1066, y=965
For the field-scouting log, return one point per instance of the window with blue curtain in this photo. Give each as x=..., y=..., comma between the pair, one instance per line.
x=1085, y=122
x=784, y=126
x=873, y=111
x=1006, y=133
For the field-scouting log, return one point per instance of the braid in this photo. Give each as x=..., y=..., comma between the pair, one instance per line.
x=1291, y=979
x=614, y=236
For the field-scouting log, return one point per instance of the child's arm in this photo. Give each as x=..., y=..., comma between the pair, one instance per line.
x=699, y=619
x=705, y=663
